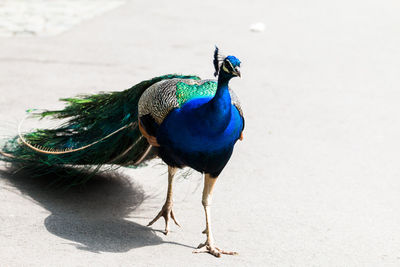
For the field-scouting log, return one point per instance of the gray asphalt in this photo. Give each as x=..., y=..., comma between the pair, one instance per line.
x=315, y=182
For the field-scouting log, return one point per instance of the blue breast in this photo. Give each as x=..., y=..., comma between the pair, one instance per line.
x=198, y=137
x=191, y=130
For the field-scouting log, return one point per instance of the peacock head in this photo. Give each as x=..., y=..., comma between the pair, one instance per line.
x=228, y=66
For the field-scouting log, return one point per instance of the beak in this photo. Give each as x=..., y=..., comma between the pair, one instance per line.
x=237, y=72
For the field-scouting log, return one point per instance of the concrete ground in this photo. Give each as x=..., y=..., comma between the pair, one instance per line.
x=316, y=181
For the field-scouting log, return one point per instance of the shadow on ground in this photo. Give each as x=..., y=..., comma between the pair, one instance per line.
x=91, y=215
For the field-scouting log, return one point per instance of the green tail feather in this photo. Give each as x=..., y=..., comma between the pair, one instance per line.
x=89, y=118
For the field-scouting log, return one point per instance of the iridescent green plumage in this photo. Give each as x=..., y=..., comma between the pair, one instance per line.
x=186, y=92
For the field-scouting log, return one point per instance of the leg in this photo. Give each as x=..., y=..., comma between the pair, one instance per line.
x=166, y=210
x=209, y=245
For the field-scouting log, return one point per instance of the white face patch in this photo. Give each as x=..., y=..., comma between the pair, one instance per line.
x=225, y=68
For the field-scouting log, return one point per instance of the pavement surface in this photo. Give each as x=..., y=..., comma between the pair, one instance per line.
x=316, y=181
x=48, y=17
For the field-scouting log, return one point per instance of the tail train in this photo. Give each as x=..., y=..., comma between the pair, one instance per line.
x=99, y=129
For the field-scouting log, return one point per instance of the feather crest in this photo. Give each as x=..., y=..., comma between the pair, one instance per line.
x=218, y=59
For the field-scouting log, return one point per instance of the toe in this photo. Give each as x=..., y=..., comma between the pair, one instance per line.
x=167, y=213
x=156, y=218
x=227, y=252
x=215, y=251
x=166, y=226
x=173, y=218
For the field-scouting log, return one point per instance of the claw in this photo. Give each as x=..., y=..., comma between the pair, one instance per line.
x=173, y=218
x=167, y=213
x=213, y=250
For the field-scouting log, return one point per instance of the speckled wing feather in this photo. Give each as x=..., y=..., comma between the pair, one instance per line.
x=235, y=101
x=162, y=97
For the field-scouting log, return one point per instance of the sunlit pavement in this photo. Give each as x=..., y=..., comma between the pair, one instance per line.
x=315, y=182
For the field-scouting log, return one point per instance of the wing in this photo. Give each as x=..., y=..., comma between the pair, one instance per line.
x=236, y=103
x=159, y=99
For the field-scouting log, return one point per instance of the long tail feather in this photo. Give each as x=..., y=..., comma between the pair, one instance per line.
x=99, y=129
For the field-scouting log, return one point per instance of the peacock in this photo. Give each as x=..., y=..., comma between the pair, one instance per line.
x=184, y=120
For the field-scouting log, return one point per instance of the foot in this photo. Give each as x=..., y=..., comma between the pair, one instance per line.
x=209, y=247
x=167, y=213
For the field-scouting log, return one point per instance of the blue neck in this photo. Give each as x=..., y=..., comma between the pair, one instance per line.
x=218, y=110
x=221, y=102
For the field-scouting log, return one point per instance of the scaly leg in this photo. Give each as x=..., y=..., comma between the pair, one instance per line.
x=209, y=245
x=166, y=210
